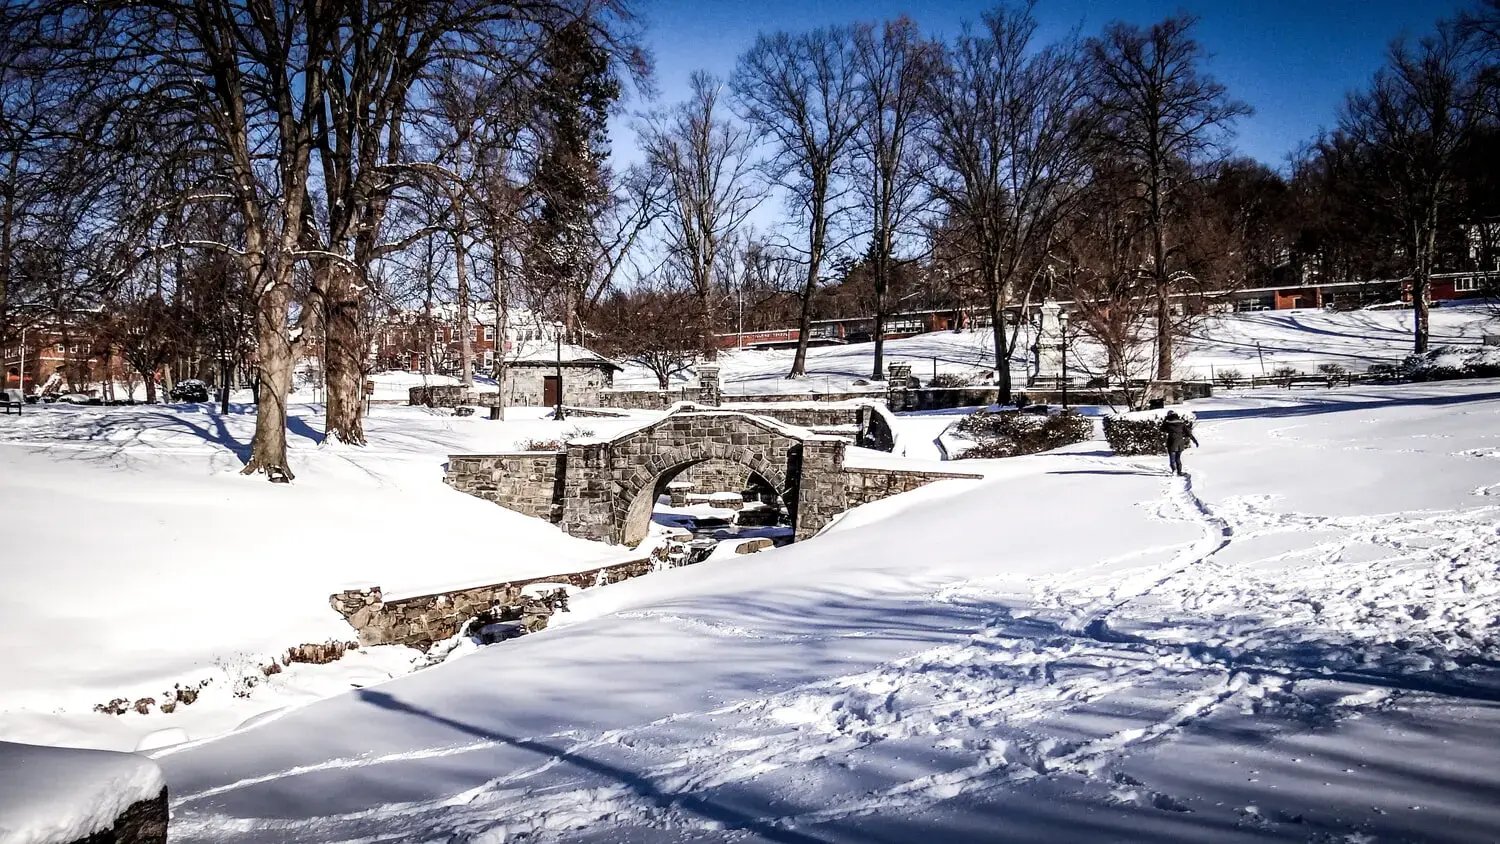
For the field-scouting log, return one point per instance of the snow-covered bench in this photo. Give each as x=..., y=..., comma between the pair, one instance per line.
x=12, y=399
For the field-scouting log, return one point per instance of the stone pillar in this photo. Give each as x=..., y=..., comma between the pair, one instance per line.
x=708, y=385
x=820, y=491
x=1047, y=353
x=587, y=510
x=897, y=391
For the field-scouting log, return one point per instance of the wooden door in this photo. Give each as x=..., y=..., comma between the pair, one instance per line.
x=551, y=390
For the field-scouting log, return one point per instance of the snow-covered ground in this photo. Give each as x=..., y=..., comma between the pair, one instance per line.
x=55, y=794
x=137, y=559
x=1302, y=339
x=1301, y=642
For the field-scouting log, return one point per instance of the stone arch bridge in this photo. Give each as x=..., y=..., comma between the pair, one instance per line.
x=605, y=489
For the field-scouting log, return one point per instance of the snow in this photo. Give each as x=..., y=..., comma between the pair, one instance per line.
x=137, y=559
x=51, y=795
x=1302, y=339
x=1298, y=642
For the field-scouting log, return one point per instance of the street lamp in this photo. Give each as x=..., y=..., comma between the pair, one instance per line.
x=557, y=412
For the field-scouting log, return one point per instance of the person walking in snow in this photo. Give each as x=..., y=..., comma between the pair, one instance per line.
x=1179, y=433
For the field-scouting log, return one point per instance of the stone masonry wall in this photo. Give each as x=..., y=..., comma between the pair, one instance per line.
x=645, y=399
x=821, y=493
x=421, y=620
x=802, y=416
x=528, y=482
x=861, y=486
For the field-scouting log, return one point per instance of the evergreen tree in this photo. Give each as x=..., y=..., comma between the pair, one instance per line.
x=578, y=88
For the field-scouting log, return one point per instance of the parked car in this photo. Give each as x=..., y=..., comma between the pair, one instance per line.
x=75, y=398
x=191, y=390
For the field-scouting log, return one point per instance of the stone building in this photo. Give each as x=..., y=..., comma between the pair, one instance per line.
x=537, y=373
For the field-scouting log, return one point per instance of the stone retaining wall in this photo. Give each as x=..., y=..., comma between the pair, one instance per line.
x=861, y=486
x=529, y=482
x=421, y=620
x=645, y=399
x=141, y=823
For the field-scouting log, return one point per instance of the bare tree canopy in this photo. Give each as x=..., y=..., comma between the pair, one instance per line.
x=1010, y=132
x=801, y=94
x=704, y=162
x=1163, y=118
x=1413, y=126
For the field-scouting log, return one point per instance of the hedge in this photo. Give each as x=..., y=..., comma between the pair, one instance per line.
x=1137, y=434
x=1447, y=362
x=1011, y=433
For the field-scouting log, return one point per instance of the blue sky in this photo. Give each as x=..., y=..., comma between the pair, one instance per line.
x=1292, y=60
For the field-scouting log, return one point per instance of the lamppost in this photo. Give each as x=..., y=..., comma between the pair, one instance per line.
x=557, y=412
x=21, y=382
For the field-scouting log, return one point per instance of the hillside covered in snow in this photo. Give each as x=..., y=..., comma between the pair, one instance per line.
x=1299, y=642
x=1253, y=343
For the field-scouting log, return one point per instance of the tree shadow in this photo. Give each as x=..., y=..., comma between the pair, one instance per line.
x=640, y=786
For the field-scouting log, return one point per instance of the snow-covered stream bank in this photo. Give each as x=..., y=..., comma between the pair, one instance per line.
x=137, y=559
x=1299, y=643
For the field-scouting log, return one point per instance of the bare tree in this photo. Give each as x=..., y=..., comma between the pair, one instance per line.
x=895, y=67
x=1420, y=113
x=705, y=164
x=801, y=93
x=652, y=324
x=1163, y=117
x=1009, y=131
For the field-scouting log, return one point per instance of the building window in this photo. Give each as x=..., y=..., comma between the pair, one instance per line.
x=1467, y=284
x=60, y=348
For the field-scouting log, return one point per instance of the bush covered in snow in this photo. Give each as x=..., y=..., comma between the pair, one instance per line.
x=1011, y=433
x=1446, y=362
x=1137, y=433
x=952, y=379
x=574, y=433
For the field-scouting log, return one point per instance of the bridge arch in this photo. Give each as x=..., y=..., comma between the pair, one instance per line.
x=641, y=489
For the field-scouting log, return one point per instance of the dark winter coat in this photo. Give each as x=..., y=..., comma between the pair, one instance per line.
x=1179, y=433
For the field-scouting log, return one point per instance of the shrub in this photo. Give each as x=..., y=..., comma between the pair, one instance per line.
x=951, y=379
x=1333, y=372
x=1228, y=377
x=1285, y=374
x=573, y=433
x=1445, y=362
x=1009, y=433
x=1137, y=434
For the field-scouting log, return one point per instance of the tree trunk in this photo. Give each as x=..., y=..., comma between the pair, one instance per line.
x=465, y=323
x=343, y=370
x=1002, y=352
x=804, y=326
x=816, y=239
x=706, y=304
x=273, y=384
x=882, y=268
x=150, y=387
x=1163, y=334
x=1421, y=282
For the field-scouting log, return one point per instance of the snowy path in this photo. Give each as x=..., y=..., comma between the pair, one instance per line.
x=1301, y=643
